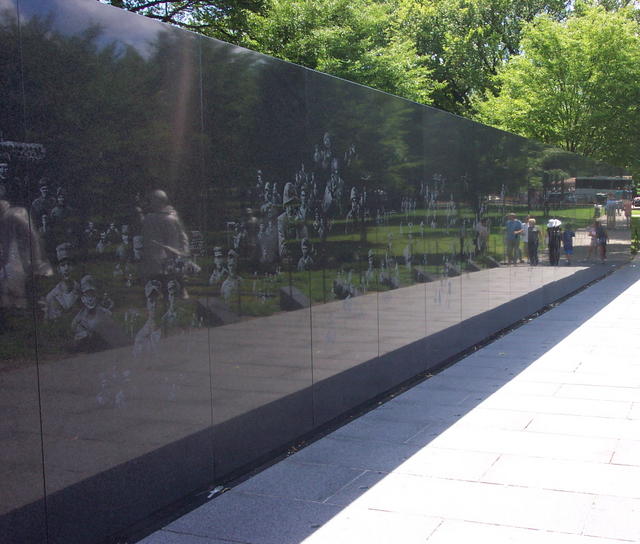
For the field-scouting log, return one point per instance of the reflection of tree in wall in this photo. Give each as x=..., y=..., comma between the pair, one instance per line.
x=254, y=118
x=12, y=107
x=114, y=123
x=386, y=131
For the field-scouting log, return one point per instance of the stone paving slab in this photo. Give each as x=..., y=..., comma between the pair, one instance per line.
x=534, y=439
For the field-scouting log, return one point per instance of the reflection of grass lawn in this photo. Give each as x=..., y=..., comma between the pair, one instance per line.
x=343, y=254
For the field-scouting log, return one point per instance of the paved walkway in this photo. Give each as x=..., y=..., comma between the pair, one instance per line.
x=533, y=439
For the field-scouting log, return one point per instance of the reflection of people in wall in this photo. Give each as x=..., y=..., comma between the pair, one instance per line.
x=20, y=255
x=525, y=238
x=163, y=235
x=534, y=237
x=512, y=239
x=567, y=242
x=627, y=206
x=93, y=328
x=612, y=208
x=602, y=238
x=554, y=237
x=64, y=296
x=306, y=261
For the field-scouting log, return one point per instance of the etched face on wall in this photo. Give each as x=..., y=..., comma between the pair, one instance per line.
x=66, y=269
x=90, y=299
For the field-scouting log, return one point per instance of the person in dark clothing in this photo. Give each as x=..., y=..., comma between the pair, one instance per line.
x=534, y=235
x=554, y=238
x=601, y=240
x=567, y=242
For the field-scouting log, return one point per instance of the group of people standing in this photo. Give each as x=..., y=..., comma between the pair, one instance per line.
x=526, y=237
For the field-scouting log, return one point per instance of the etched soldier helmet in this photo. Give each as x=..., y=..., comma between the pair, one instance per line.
x=87, y=283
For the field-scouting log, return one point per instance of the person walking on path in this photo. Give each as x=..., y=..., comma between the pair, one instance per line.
x=513, y=232
x=554, y=237
x=534, y=237
x=567, y=242
x=612, y=209
x=627, y=212
x=591, y=231
x=525, y=238
x=601, y=240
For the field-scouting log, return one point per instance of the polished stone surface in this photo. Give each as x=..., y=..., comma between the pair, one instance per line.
x=539, y=447
x=209, y=252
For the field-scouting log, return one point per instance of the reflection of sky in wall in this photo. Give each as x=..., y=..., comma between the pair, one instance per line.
x=7, y=5
x=135, y=30
x=124, y=28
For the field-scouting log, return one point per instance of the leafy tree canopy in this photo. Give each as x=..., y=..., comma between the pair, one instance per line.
x=223, y=19
x=465, y=42
x=575, y=85
x=352, y=39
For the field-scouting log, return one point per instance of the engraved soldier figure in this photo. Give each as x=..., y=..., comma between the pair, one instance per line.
x=65, y=295
x=220, y=271
x=306, y=261
x=353, y=215
x=43, y=204
x=91, y=233
x=103, y=243
x=289, y=226
x=94, y=328
x=370, y=273
x=231, y=285
x=163, y=235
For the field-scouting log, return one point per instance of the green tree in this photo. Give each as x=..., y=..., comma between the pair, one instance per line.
x=465, y=42
x=223, y=19
x=352, y=39
x=576, y=85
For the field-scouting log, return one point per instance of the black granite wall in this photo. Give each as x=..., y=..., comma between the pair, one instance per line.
x=207, y=252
